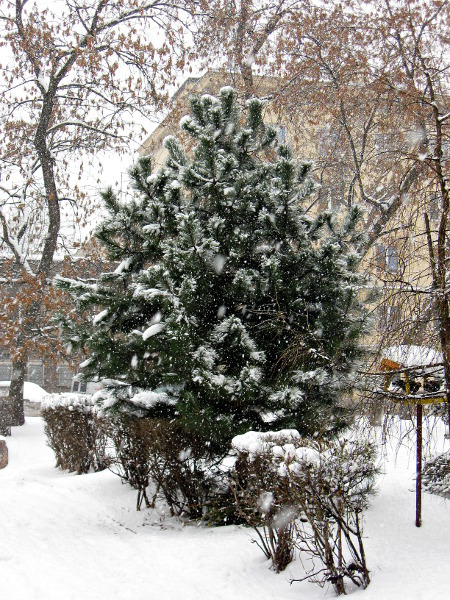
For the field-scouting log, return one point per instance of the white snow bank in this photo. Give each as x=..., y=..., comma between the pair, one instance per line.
x=79, y=536
x=31, y=391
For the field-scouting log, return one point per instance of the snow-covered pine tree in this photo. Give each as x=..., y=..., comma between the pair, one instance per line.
x=233, y=308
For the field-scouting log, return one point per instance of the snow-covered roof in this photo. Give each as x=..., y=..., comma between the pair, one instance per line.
x=413, y=356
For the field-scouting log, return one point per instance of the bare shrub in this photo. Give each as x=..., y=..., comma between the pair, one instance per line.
x=262, y=498
x=436, y=475
x=333, y=481
x=310, y=495
x=178, y=463
x=132, y=441
x=184, y=469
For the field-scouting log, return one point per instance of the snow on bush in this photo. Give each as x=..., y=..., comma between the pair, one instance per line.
x=68, y=400
x=233, y=307
x=307, y=494
x=257, y=442
x=110, y=399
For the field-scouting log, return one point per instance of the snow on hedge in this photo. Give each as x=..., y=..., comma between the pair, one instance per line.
x=342, y=458
x=257, y=442
x=68, y=400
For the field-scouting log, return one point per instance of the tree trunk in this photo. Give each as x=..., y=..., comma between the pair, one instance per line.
x=16, y=391
x=46, y=261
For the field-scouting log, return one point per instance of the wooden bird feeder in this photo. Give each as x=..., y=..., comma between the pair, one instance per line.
x=409, y=387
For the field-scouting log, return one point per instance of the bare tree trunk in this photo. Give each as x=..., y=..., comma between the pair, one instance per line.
x=444, y=334
x=243, y=32
x=19, y=371
x=45, y=265
x=19, y=364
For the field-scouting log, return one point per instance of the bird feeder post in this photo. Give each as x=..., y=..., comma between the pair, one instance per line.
x=419, y=422
x=419, y=465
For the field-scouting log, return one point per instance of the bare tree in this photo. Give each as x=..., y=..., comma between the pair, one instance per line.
x=242, y=35
x=365, y=89
x=415, y=41
x=73, y=75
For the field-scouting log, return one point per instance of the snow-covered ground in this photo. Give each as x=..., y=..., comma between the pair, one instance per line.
x=66, y=536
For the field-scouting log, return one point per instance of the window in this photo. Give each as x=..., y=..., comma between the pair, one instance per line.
x=64, y=376
x=36, y=373
x=5, y=371
x=392, y=259
x=394, y=316
x=434, y=208
x=386, y=258
x=334, y=194
x=79, y=386
x=389, y=315
x=327, y=143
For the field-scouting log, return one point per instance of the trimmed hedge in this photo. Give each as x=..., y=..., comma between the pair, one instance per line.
x=75, y=433
x=138, y=450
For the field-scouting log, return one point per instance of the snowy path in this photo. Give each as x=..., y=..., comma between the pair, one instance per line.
x=65, y=537
x=407, y=562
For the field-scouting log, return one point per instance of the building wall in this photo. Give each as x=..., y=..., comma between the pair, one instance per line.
x=400, y=255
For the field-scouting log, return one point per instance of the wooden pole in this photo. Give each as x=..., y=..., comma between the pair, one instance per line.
x=419, y=466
